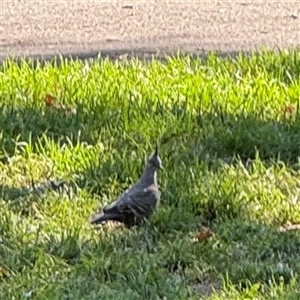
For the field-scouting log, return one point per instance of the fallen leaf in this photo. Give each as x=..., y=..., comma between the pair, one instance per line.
x=203, y=235
x=50, y=100
x=289, y=109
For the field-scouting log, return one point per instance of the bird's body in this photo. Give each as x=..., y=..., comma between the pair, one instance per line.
x=137, y=203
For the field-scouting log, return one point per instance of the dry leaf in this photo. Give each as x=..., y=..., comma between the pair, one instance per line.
x=203, y=235
x=289, y=109
x=50, y=100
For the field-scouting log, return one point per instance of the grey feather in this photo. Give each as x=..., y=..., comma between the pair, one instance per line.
x=136, y=204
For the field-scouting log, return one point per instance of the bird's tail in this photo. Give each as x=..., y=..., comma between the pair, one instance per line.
x=100, y=218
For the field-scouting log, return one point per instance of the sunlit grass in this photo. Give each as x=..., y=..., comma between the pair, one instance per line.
x=229, y=136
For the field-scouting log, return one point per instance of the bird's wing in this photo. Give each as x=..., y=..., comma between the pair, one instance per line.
x=139, y=202
x=117, y=201
x=112, y=208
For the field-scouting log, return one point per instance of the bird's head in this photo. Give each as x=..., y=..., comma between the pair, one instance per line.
x=154, y=160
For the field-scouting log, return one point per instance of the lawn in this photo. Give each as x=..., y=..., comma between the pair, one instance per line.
x=228, y=131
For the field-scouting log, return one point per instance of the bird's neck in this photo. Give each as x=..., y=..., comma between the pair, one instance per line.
x=149, y=176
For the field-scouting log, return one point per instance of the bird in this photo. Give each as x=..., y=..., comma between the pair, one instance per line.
x=136, y=204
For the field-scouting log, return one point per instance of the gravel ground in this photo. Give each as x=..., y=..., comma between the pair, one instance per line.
x=84, y=28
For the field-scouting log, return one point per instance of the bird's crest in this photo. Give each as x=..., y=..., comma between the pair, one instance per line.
x=154, y=159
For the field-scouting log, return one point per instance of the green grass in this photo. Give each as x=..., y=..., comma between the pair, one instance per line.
x=230, y=147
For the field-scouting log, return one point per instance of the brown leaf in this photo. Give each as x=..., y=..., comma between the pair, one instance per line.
x=289, y=109
x=203, y=235
x=50, y=100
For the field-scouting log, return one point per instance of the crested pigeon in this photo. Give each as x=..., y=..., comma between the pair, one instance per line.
x=137, y=203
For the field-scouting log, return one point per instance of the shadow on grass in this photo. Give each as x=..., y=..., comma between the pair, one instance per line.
x=156, y=259
x=23, y=124
x=213, y=137
x=240, y=250
x=215, y=134
x=114, y=55
x=243, y=137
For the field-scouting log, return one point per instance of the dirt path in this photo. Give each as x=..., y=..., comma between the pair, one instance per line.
x=45, y=28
